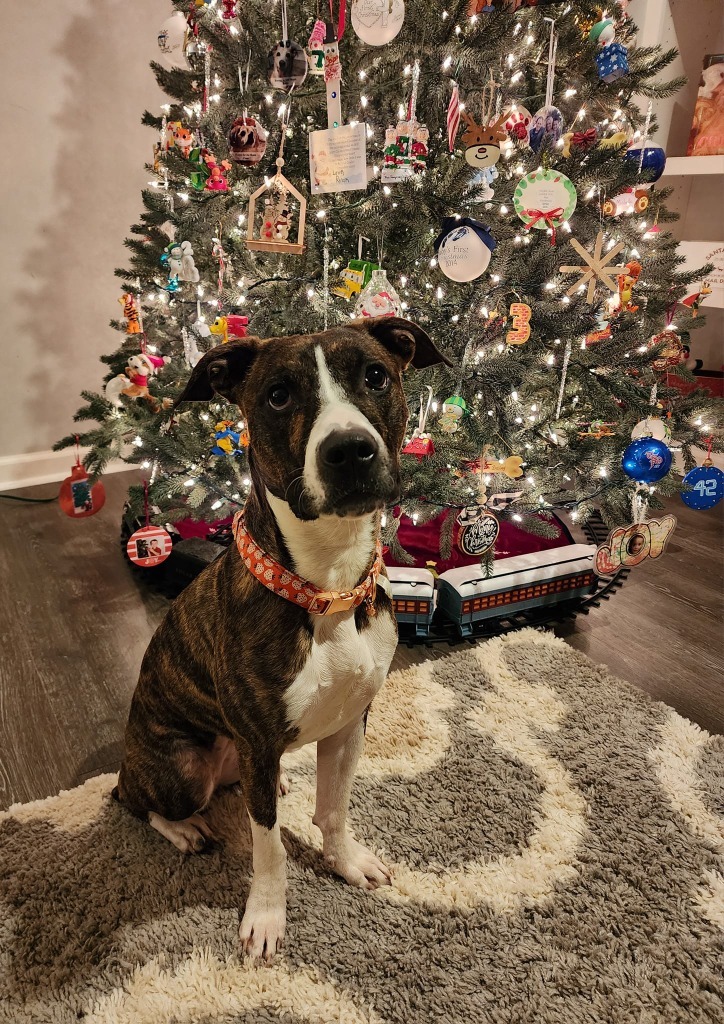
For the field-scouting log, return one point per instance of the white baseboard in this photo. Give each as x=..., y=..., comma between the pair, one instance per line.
x=35, y=468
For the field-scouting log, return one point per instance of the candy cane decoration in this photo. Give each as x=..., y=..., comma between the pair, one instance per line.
x=453, y=116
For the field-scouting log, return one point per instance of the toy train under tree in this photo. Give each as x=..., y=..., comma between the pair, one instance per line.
x=465, y=596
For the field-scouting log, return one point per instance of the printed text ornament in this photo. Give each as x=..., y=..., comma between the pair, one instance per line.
x=479, y=530
x=463, y=248
x=707, y=487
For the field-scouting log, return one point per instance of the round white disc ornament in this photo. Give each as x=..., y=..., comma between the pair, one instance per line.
x=377, y=22
x=463, y=255
x=544, y=199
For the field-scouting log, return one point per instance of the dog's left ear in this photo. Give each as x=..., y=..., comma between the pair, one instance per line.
x=405, y=340
x=220, y=370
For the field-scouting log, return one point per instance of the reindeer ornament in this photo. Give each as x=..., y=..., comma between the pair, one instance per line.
x=482, y=143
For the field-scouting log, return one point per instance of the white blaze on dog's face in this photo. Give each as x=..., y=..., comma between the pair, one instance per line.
x=326, y=413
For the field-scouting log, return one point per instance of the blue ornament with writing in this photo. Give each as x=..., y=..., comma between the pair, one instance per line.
x=646, y=460
x=707, y=487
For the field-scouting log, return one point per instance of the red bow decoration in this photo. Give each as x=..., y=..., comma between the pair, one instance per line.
x=549, y=218
x=584, y=139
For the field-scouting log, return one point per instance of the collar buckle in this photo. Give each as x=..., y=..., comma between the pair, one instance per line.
x=329, y=602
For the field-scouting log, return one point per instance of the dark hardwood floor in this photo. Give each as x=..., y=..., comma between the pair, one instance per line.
x=74, y=625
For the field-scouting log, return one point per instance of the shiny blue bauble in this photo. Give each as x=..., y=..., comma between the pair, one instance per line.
x=646, y=460
x=654, y=160
x=707, y=487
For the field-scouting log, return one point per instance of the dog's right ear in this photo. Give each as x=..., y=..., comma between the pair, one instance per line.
x=222, y=369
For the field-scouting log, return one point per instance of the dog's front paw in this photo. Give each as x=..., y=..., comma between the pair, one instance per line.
x=263, y=925
x=358, y=865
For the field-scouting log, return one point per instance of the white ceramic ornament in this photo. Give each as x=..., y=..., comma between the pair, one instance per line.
x=652, y=426
x=463, y=255
x=377, y=22
x=171, y=38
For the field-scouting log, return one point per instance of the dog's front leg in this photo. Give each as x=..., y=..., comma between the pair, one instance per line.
x=262, y=926
x=337, y=758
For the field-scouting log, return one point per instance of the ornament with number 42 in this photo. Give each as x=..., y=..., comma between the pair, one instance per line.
x=707, y=487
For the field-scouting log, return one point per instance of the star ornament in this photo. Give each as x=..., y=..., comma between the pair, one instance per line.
x=596, y=267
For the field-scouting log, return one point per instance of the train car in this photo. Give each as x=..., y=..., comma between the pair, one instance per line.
x=413, y=597
x=466, y=595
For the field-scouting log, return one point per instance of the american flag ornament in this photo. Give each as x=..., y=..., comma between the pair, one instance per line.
x=453, y=116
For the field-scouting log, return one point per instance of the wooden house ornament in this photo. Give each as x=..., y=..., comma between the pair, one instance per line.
x=276, y=222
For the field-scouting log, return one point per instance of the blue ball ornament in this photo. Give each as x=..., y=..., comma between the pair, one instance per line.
x=707, y=487
x=646, y=460
x=654, y=160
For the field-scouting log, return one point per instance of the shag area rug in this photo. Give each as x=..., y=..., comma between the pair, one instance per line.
x=556, y=841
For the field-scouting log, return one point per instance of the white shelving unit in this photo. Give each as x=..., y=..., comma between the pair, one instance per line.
x=688, y=166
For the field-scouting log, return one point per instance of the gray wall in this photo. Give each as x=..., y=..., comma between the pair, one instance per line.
x=74, y=81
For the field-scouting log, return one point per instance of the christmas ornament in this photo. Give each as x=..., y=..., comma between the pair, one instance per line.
x=517, y=122
x=520, y=332
x=178, y=258
x=229, y=10
x=463, y=247
x=597, y=429
x=612, y=57
x=649, y=158
x=131, y=313
x=229, y=327
x=338, y=158
x=512, y=467
x=286, y=65
x=482, y=142
x=453, y=410
x=631, y=200
x=315, y=48
x=377, y=22
x=421, y=444
x=706, y=483
x=693, y=302
x=626, y=282
x=192, y=354
x=378, y=298
x=354, y=278
x=646, y=460
x=77, y=497
x=171, y=39
x=333, y=80
x=630, y=545
x=406, y=145
x=276, y=221
x=672, y=352
x=479, y=530
x=545, y=128
x=453, y=116
x=179, y=137
x=149, y=546
x=652, y=426
x=581, y=140
x=134, y=382
x=287, y=62
x=226, y=440
x=247, y=141
x=597, y=267
x=545, y=199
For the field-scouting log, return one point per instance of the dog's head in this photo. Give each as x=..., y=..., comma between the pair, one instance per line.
x=326, y=413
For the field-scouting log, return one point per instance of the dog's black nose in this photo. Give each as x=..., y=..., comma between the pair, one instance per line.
x=353, y=450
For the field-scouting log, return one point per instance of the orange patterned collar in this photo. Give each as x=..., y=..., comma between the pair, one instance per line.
x=284, y=583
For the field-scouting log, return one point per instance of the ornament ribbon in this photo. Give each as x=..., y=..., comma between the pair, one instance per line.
x=424, y=411
x=453, y=116
x=341, y=17
x=547, y=217
x=584, y=139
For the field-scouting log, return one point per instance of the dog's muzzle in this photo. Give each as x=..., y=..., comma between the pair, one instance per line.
x=355, y=471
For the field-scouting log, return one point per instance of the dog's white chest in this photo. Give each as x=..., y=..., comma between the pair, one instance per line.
x=344, y=671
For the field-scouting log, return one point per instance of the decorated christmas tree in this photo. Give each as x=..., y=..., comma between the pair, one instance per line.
x=485, y=170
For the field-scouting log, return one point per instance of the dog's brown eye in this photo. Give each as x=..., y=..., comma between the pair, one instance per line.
x=279, y=397
x=376, y=377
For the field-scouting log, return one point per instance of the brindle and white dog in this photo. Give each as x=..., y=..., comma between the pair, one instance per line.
x=235, y=674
